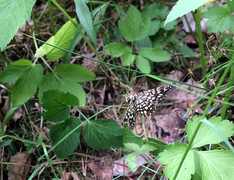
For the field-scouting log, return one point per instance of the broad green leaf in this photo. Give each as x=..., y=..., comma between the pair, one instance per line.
x=219, y=17
x=130, y=159
x=143, y=64
x=134, y=28
x=57, y=105
x=26, y=85
x=198, y=172
x=216, y=164
x=5, y=143
x=59, y=131
x=144, y=28
x=103, y=134
x=160, y=145
x=77, y=38
x=12, y=72
x=128, y=59
x=155, y=25
x=117, y=49
x=63, y=39
x=131, y=147
x=206, y=134
x=85, y=19
x=75, y=73
x=154, y=54
x=158, y=38
x=147, y=148
x=144, y=43
x=183, y=7
x=172, y=156
x=51, y=81
x=13, y=13
x=230, y=6
x=169, y=26
x=155, y=10
x=130, y=137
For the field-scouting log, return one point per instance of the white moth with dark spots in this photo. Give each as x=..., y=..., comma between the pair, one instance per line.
x=144, y=103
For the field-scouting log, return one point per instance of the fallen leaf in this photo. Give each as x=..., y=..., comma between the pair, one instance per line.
x=20, y=167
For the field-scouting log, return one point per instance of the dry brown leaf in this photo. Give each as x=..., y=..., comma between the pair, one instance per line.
x=21, y=166
x=169, y=123
x=18, y=113
x=102, y=171
x=70, y=176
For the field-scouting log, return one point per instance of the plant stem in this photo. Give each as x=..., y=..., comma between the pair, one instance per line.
x=200, y=40
x=51, y=17
x=227, y=94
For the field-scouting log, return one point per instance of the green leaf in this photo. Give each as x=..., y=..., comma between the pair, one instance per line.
x=26, y=85
x=186, y=50
x=230, y=6
x=206, y=134
x=131, y=147
x=12, y=72
x=77, y=38
x=219, y=17
x=130, y=137
x=172, y=157
x=169, y=26
x=59, y=131
x=160, y=145
x=154, y=54
x=14, y=13
x=143, y=64
x=5, y=143
x=63, y=39
x=40, y=139
x=183, y=7
x=155, y=25
x=29, y=147
x=103, y=134
x=128, y=59
x=85, y=19
x=170, y=36
x=76, y=73
x=147, y=148
x=117, y=49
x=130, y=159
x=57, y=105
x=154, y=10
x=158, y=38
x=216, y=164
x=134, y=28
x=144, y=43
x=97, y=13
x=51, y=81
x=9, y=115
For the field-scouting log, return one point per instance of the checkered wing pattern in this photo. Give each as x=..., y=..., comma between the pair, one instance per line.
x=144, y=103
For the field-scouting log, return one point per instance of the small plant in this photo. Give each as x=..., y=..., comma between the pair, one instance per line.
x=59, y=86
x=141, y=30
